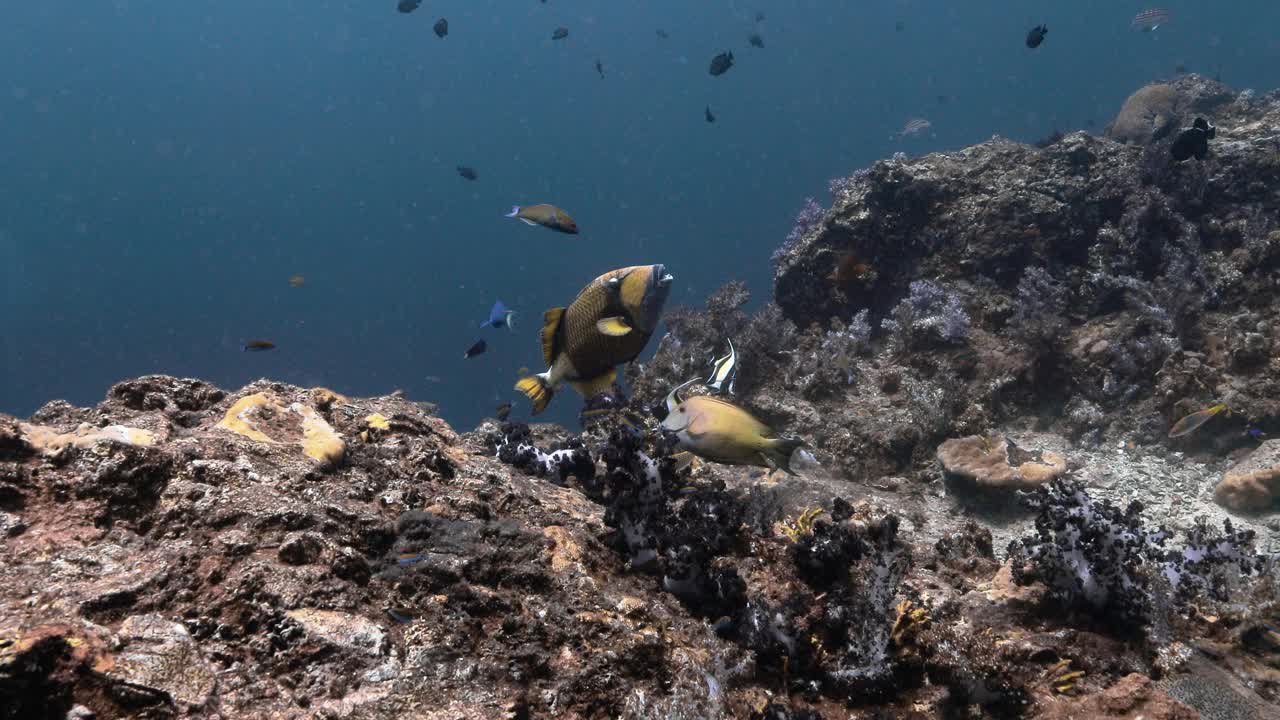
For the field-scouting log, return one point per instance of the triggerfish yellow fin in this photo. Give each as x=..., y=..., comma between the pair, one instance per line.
x=538, y=389
x=550, y=323
x=1192, y=422
x=613, y=326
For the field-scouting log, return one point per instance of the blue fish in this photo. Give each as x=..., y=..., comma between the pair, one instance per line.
x=499, y=316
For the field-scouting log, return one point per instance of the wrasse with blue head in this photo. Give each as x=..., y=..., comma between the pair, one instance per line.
x=499, y=317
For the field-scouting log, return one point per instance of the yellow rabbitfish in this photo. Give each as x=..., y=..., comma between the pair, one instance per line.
x=1192, y=422
x=722, y=432
x=607, y=324
x=548, y=216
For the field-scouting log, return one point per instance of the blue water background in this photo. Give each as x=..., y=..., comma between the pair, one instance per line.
x=165, y=167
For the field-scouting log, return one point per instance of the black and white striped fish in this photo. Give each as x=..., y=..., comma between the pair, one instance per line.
x=1149, y=20
x=725, y=372
x=914, y=126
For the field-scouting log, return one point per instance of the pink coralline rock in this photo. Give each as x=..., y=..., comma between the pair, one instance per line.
x=995, y=462
x=1253, y=484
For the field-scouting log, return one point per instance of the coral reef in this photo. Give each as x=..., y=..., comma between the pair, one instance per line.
x=1104, y=559
x=997, y=318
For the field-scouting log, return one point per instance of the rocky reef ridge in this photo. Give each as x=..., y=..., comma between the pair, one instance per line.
x=985, y=351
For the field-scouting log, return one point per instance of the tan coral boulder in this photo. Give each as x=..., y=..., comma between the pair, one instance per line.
x=995, y=463
x=1253, y=484
x=265, y=418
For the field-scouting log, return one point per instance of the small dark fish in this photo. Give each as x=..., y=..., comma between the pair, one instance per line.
x=408, y=6
x=721, y=63
x=468, y=172
x=441, y=27
x=399, y=616
x=759, y=17
x=504, y=411
x=848, y=270
x=560, y=33
x=257, y=346
x=1194, y=141
x=499, y=317
x=710, y=118
x=475, y=350
x=756, y=40
x=899, y=26
x=663, y=34
x=1036, y=36
x=943, y=99
x=600, y=69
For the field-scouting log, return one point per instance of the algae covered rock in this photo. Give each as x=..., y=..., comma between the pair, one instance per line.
x=996, y=463
x=1253, y=484
x=263, y=417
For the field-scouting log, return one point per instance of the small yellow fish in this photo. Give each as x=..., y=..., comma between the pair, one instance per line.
x=548, y=216
x=297, y=281
x=1192, y=422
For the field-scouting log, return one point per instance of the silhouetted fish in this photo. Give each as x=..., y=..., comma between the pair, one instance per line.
x=755, y=40
x=600, y=68
x=1036, y=36
x=504, y=411
x=257, y=346
x=475, y=350
x=441, y=27
x=710, y=118
x=1194, y=141
x=759, y=17
x=408, y=6
x=560, y=33
x=467, y=172
x=721, y=63
x=662, y=34
x=297, y=281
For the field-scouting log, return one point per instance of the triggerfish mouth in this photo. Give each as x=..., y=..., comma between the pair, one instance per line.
x=722, y=432
x=548, y=216
x=607, y=324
